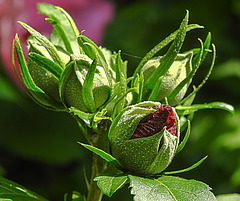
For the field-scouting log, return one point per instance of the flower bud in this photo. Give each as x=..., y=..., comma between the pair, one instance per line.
x=41, y=77
x=144, y=137
x=73, y=81
x=178, y=71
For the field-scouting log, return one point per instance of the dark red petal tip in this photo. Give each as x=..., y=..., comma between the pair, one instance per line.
x=155, y=121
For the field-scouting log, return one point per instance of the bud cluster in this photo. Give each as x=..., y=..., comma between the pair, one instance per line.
x=69, y=72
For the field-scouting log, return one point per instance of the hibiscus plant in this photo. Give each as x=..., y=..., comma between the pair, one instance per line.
x=134, y=126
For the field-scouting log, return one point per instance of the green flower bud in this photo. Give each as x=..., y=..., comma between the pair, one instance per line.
x=144, y=137
x=73, y=81
x=46, y=81
x=178, y=71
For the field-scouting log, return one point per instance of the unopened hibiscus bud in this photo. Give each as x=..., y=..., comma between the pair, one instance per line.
x=46, y=81
x=178, y=71
x=144, y=137
x=72, y=91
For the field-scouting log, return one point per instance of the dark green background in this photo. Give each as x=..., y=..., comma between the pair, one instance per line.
x=39, y=149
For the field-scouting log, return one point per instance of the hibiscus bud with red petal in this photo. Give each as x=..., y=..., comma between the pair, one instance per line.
x=145, y=136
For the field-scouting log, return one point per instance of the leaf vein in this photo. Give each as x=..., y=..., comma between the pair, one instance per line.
x=170, y=192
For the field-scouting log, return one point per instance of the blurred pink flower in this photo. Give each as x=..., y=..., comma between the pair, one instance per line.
x=89, y=15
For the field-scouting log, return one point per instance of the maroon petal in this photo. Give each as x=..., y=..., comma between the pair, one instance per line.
x=155, y=121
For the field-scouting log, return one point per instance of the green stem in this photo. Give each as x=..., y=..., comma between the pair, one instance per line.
x=98, y=138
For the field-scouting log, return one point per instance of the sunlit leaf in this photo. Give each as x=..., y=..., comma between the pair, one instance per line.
x=10, y=191
x=229, y=197
x=74, y=196
x=169, y=188
x=109, y=184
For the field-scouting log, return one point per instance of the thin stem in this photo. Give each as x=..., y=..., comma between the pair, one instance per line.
x=98, y=138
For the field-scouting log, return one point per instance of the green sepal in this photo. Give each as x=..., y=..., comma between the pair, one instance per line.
x=185, y=110
x=92, y=51
x=45, y=43
x=161, y=45
x=195, y=165
x=38, y=95
x=156, y=89
x=141, y=155
x=65, y=30
x=185, y=139
x=180, y=69
x=196, y=63
x=65, y=73
x=141, y=112
x=88, y=46
x=46, y=64
x=61, y=33
x=70, y=88
x=72, y=80
x=87, y=88
x=70, y=20
x=204, y=80
x=137, y=155
x=121, y=78
x=170, y=55
x=107, y=157
x=141, y=85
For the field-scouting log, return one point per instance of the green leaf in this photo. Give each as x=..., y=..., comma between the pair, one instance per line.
x=107, y=157
x=195, y=165
x=169, y=188
x=74, y=196
x=46, y=64
x=184, y=110
x=109, y=184
x=170, y=56
x=229, y=197
x=45, y=43
x=11, y=191
x=87, y=88
x=161, y=45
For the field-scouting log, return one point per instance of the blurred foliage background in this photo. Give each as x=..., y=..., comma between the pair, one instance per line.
x=39, y=149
